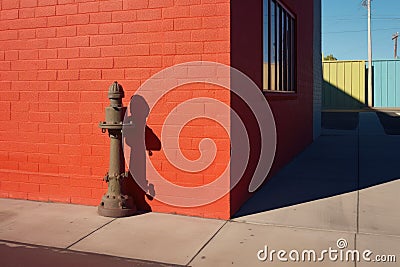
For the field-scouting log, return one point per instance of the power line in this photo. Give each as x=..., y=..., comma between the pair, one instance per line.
x=359, y=16
x=358, y=19
x=383, y=29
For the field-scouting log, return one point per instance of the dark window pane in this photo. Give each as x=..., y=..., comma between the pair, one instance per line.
x=273, y=46
x=293, y=55
x=284, y=51
x=279, y=63
x=289, y=54
x=266, y=44
x=279, y=48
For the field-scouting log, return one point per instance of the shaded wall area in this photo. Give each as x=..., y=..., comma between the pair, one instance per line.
x=246, y=55
x=317, y=94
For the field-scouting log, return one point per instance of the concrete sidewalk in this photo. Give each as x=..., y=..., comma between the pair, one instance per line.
x=344, y=186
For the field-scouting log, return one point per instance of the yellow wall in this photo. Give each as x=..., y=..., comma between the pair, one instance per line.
x=344, y=84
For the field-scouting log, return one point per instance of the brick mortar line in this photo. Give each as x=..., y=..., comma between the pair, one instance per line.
x=48, y=174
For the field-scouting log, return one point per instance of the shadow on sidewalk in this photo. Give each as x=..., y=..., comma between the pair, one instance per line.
x=331, y=165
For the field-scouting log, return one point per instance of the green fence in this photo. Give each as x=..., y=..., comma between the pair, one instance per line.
x=344, y=84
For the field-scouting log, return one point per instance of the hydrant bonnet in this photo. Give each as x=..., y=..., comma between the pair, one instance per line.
x=115, y=91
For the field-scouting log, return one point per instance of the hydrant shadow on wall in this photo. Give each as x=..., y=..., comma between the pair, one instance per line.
x=115, y=203
x=139, y=140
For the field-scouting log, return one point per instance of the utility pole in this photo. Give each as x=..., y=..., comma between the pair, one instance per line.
x=369, y=56
x=395, y=37
x=368, y=4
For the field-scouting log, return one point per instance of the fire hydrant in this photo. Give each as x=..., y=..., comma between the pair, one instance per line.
x=115, y=203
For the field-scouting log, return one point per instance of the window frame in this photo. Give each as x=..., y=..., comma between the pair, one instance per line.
x=283, y=80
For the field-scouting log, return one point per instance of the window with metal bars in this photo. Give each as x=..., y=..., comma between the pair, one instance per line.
x=279, y=48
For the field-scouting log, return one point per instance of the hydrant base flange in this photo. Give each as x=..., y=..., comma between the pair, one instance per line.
x=115, y=213
x=116, y=205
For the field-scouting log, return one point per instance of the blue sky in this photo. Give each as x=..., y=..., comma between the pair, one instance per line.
x=344, y=28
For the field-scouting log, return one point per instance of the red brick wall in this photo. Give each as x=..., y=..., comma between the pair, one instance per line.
x=57, y=59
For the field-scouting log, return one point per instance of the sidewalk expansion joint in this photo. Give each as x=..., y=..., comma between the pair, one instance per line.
x=295, y=227
x=205, y=244
x=378, y=234
x=92, y=232
x=358, y=181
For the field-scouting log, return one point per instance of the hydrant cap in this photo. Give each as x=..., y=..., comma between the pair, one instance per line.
x=115, y=91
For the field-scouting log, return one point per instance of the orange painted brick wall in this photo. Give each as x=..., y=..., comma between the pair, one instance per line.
x=57, y=59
